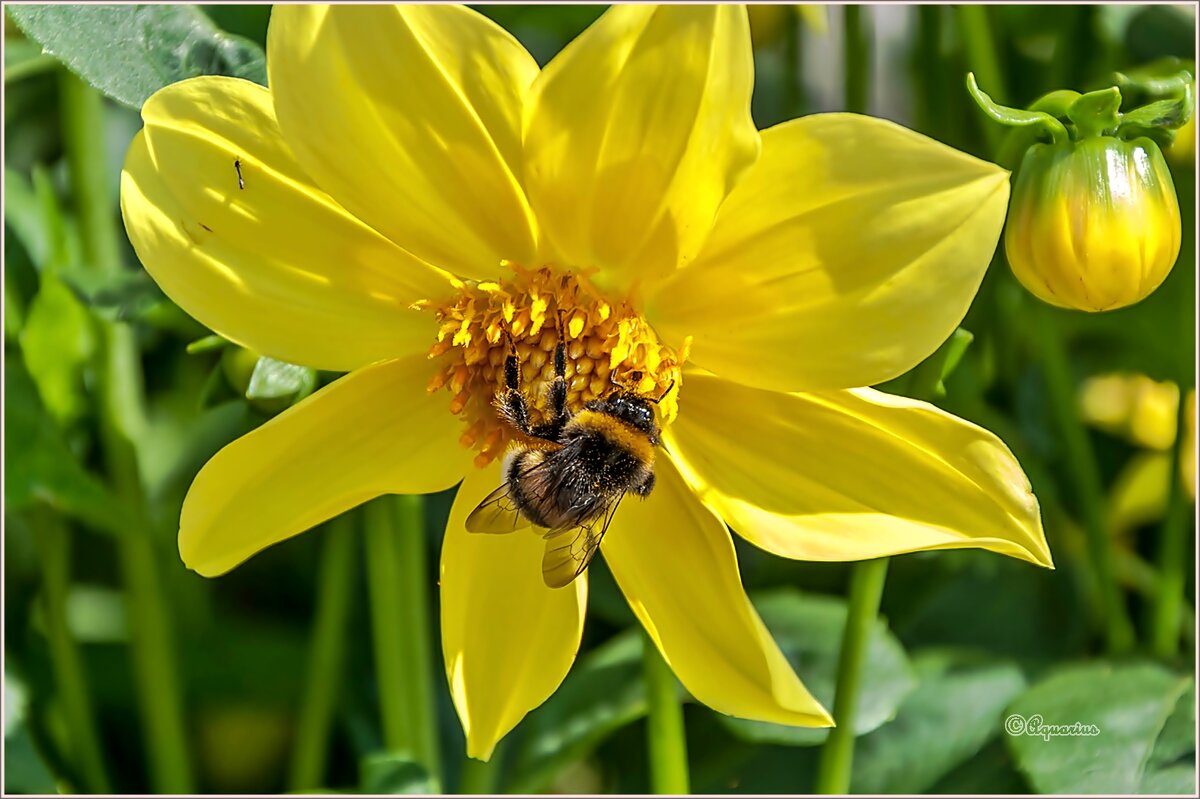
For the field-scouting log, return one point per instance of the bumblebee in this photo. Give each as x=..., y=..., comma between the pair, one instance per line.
x=566, y=476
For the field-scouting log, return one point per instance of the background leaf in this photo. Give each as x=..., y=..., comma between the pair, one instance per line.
x=40, y=467
x=602, y=693
x=387, y=773
x=130, y=52
x=1128, y=703
x=273, y=379
x=957, y=707
x=58, y=340
x=809, y=630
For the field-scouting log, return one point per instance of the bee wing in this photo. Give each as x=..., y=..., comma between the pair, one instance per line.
x=569, y=550
x=497, y=513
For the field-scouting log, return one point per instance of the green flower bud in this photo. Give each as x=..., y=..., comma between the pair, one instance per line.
x=1094, y=224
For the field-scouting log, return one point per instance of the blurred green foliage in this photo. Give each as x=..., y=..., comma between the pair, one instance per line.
x=965, y=639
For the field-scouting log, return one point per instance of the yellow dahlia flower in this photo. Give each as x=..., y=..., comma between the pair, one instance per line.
x=414, y=184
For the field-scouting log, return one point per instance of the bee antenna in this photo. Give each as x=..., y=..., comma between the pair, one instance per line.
x=663, y=395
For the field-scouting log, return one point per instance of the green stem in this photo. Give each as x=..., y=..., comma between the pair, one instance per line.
x=55, y=549
x=793, y=73
x=478, y=777
x=1173, y=562
x=121, y=418
x=837, y=754
x=856, y=57
x=326, y=655
x=399, y=589
x=930, y=103
x=666, y=739
x=1084, y=474
x=982, y=59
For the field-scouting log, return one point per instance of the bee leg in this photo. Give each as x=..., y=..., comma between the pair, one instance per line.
x=511, y=403
x=556, y=391
x=558, y=386
x=559, y=415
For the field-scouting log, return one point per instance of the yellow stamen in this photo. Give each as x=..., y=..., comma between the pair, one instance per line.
x=609, y=348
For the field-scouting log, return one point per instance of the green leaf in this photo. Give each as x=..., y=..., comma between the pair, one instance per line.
x=389, y=773
x=273, y=379
x=809, y=630
x=602, y=693
x=1161, y=115
x=927, y=379
x=124, y=297
x=23, y=213
x=130, y=52
x=1045, y=124
x=1055, y=103
x=957, y=707
x=1096, y=112
x=1127, y=705
x=40, y=467
x=207, y=344
x=1171, y=766
x=58, y=340
x=23, y=58
x=1166, y=77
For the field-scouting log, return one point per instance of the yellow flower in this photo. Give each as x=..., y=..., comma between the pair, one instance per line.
x=1132, y=405
x=411, y=178
x=1145, y=412
x=1094, y=224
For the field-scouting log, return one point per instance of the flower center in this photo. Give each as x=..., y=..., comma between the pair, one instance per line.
x=609, y=347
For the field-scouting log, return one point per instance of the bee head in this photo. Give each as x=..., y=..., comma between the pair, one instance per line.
x=632, y=409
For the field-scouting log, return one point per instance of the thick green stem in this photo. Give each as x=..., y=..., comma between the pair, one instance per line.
x=1082, y=472
x=399, y=590
x=665, y=733
x=54, y=544
x=928, y=89
x=478, y=777
x=121, y=418
x=856, y=57
x=326, y=655
x=982, y=59
x=837, y=755
x=793, y=70
x=1173, y=561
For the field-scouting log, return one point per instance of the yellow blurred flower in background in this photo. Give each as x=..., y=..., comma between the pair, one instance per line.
x=413, y=183
x=1145, y=413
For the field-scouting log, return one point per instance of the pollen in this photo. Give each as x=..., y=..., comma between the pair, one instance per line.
x=609, y=348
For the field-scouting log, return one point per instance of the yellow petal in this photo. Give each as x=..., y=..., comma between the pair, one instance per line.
x=410, y=116
x=850, y=475
x=375, y=431
x=277, y=266
x=636, y=132
x=850, y=251
x=675, y=563
x=1139, y=492
x=508, y=640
